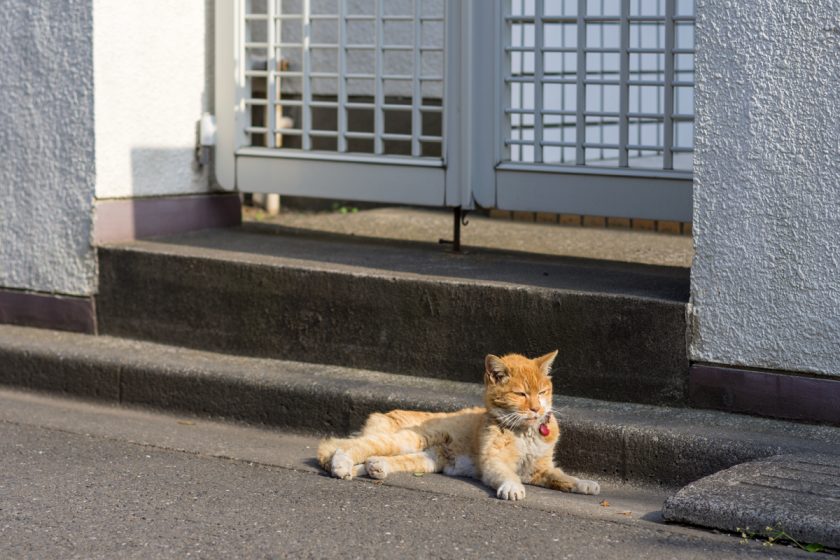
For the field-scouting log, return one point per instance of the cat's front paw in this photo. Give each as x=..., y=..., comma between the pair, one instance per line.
x=586, y=487
x=511, y=490
x=341, y=465
x=377, y=467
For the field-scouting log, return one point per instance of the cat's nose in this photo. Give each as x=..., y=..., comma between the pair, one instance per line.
x=535, y=408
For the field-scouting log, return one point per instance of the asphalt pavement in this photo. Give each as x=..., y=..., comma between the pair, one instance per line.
x=79, y=480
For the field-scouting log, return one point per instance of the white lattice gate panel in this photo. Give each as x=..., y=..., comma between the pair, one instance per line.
x=599, y=83
x=345, y=76
x=596, y=107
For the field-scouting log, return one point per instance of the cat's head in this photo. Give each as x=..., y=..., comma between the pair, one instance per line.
x=518, y=389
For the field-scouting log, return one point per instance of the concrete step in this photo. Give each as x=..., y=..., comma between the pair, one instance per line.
x=628, y=442
x=407, y=308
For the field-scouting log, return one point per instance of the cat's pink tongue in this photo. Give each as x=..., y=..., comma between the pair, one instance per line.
x=544, y=431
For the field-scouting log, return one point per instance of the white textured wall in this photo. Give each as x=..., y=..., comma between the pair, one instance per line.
x=149, y=63
x=766, y=275
x=46, y=146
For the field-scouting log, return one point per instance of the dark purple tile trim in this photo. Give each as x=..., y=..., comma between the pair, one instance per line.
x=48, y=311
x=764, y=393
x=122, y=220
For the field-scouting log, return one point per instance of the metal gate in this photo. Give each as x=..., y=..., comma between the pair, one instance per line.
x=578, y=106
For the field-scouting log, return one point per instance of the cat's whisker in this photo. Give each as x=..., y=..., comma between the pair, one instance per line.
x=508, y=420
x=516, y=421
x=507, y=417
x=558, y=413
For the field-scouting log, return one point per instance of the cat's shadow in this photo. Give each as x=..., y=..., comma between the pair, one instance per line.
x=653, y=516
x=475, y=483
x=312, y=462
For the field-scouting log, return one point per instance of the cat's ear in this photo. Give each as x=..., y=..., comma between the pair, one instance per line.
x=495, y=371
x=544, y=362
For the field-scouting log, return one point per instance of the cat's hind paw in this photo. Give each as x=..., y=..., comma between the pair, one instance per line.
x=511, y=490
x=377, y=467
x=341, y=465
x=586, y=487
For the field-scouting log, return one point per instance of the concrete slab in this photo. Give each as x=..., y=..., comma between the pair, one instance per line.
x=405, y=308
x=796, y=493
x=400, y=259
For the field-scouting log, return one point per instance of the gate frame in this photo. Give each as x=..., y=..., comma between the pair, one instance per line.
x=393, y=179
x=471, y=172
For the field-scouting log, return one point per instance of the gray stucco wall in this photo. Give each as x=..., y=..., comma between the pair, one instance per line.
x=766, y=275
x=47, y=146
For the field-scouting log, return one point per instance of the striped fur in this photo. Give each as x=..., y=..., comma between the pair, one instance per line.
x=499, y=444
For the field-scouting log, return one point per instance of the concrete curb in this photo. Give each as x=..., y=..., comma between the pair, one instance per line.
x=630, y=442
x=794, y=493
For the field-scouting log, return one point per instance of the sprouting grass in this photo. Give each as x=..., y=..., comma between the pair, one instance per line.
x=774, y=535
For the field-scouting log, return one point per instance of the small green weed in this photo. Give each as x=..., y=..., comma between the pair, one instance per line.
x=773, y=535
x=342, y=208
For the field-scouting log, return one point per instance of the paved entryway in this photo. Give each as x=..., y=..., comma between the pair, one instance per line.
x=550, y=239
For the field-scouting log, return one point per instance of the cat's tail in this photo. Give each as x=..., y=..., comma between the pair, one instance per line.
x=326, y=449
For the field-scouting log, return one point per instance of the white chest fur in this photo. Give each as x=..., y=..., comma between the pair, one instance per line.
x=531, y=446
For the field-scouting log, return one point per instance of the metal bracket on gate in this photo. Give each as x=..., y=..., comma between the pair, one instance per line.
x=459, y=219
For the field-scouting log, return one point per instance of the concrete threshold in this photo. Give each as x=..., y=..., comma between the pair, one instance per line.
x=624, y=442
x=403, y=307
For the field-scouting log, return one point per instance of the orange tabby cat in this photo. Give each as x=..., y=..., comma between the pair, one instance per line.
x=506, y=444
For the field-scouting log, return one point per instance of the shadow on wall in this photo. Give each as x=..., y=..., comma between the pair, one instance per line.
x=160, y=169
x=164, y=171
x=157, y=171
